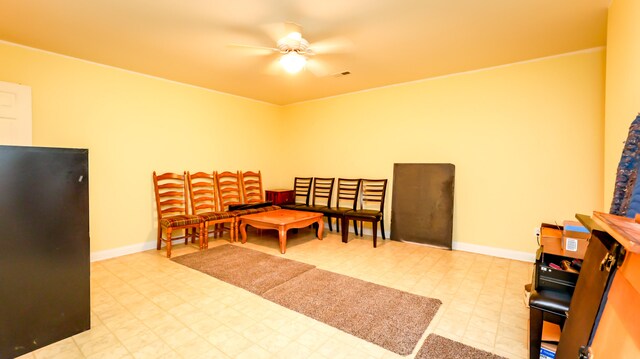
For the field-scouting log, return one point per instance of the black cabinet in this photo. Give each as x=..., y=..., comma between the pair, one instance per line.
x=44, y=247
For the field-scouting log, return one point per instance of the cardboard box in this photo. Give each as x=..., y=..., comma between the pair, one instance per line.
x=575, y=239
x=548, y=351
x=574, y=229
x=550, y=332
x=551, y=239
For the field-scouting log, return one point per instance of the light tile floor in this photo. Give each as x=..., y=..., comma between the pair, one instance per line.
x=146, y=306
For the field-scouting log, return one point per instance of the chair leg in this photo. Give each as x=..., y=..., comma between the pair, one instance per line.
x=535, y=332
x=374, y=227
x=338, y=224
x=345, y=229
x=330, y=227
x=382, y=227
x=204, y=229
x=236, y=225
x=232, y=234
x=361, y=231
x=168, y=242
x=159, y=245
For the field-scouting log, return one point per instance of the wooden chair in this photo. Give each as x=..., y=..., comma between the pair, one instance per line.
x=229, y=193
x=371, y=207
x=346, y=200
x=171, y=203
x=204, y=203
x=252, y=187
x=322, y=193
x=228, y=185
x=302, y=188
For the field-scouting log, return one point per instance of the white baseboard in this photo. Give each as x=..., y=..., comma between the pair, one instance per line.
x=479, y=249
x=458, y=246
x=494, y=251
x=122, y=251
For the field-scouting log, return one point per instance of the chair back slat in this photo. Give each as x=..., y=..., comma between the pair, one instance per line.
x=348, y=190
x=302, y=189
x=202, y=192
x=252, y=187
x=228, y=187
x=322, y=191
x=373, y=193
x=171, y=194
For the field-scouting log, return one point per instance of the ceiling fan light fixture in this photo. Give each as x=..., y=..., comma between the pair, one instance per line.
x=296, y=36
x=292, y=62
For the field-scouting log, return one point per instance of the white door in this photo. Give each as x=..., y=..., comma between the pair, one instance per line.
x=15, y=114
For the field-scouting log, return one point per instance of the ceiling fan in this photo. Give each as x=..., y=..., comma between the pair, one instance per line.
x=295, y=51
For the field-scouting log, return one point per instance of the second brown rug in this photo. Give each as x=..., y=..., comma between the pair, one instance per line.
x=254, y=271
x=390, y=318
x=437, y=347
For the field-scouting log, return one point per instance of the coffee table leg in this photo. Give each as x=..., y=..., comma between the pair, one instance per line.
x=282, y=234
x=243, y=232
x=320, y=228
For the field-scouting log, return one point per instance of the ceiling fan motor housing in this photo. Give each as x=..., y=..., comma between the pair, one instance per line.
x=291, y=43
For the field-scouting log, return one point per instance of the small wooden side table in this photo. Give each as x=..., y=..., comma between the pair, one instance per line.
x=280, y=196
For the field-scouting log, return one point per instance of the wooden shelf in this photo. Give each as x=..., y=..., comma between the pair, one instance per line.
x=625, y=230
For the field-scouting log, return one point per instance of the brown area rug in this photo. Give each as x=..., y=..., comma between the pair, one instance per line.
x=437, y=347
x=390, y=318
x=254, y=271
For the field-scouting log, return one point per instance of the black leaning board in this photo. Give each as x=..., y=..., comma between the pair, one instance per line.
x=422, y=203
x=233, y=207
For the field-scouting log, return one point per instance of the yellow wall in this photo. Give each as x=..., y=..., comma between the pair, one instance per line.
x=622, y=85
x=133, y=125
x=526, y=140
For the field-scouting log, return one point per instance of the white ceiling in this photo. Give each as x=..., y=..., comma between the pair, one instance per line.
x=391, y=41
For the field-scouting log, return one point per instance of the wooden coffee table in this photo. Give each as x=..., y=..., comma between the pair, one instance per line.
x=281, y=220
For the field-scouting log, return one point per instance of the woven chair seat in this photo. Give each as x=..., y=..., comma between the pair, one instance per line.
x=179, y=221
x=214, y=216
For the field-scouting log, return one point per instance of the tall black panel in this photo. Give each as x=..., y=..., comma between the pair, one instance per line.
x=422, y=203
x=44, y=247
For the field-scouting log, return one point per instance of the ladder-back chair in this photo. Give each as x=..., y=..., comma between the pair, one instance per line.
x=302, y=191
x=346, y=200
x=204, y=203
x=230, y=194
x=322, y=193
x=252, y=187
x=371, y=207
x=171, y=203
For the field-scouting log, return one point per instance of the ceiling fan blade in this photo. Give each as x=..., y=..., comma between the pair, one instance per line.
x=273, y=68
x=256, y=50
x=332, y=45
x=317, y=68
